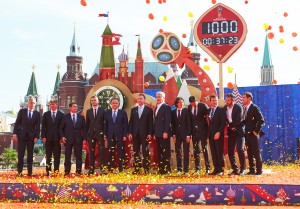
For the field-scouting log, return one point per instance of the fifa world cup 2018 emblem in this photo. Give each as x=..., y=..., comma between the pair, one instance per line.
x=219, y=9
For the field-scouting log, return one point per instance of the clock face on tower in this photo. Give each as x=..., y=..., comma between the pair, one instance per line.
x=106, y=93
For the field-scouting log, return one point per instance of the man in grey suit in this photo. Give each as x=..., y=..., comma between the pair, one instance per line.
x=50, y=136
x=162, y=133
x=236, y=134
x=72, y=132
x=254, y=121
x=116, y=130
x=95, y=122
x=140, y=132
x=27, y=132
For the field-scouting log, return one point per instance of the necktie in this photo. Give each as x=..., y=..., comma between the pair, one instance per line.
x=244, y=113
x=95, y=113
x=140, y=111
x=178, y=115
x=73, y=119
x=212, y=113
x=195, y=113
x=53, y=117
x=114, y=116
x=29, y=115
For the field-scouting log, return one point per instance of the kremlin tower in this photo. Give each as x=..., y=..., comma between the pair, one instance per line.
x=267, y=69
x=71, y=88
x=32, y=92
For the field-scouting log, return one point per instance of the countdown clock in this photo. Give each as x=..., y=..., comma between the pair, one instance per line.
x=106, y=93
x=220, y=31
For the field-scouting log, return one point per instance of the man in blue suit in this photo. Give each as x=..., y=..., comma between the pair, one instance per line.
x=217, y=122
x=236, y=134
x=116, y=130
x=254, y=121
x=27, y=132
x=72, y=132
x=50, y=136
x=140, y=132
x=162, y=133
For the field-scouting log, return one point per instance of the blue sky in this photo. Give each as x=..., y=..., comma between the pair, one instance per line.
x=40, y=32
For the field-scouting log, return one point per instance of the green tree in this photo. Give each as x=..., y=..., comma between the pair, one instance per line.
x=9, y=157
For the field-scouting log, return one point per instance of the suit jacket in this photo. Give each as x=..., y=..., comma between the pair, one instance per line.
x=217, y=123
x=143, y=125
x=181, y=126
x=162, y=121
x=50, y=130
x=254, y=120
x=95, y=126
x=24, y=126
x=237, y=121
x=117, y=129
x=73, y=133
x=199, y=121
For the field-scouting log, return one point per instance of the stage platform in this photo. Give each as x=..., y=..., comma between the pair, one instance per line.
x=279, y=185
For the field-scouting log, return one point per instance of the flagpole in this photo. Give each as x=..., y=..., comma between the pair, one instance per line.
x=221, y=88
x=107, y=18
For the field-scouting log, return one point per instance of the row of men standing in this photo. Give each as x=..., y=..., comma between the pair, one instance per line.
x=183, y=124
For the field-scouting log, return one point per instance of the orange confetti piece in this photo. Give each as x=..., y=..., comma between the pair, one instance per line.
x=83, y=3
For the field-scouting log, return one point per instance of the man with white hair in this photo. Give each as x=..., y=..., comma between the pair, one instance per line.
x=162, y=133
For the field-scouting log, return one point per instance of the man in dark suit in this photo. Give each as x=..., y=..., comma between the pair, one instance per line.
x=199, y=113
x=217, y=121
x=27, y=132
x=236, y=134
x=50, y=136
x=181, y=130
x=95, y=122
x=116, y=130
x=72, y=132
x=254, y=121
x=140, y=131
x=162, y=133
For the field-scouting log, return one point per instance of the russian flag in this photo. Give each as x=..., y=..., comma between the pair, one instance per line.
x=103, y=15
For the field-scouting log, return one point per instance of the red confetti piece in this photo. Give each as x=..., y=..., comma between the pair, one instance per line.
x=151, y=16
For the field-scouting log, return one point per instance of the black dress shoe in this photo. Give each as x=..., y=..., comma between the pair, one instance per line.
x=251, y=173
x=242, y=172
x=213, y=173
x=136, y=171
x=47, y=174
x=221, y=173
x=197, y=172
x=234, y=173
x=67, y=173
x=30, y=174
x=258, y=173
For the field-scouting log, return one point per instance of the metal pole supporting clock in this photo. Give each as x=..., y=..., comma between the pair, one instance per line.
x=220, y=31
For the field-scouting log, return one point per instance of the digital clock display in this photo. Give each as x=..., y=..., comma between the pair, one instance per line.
x=220, y=31
x=220, y=27
x=220, y=40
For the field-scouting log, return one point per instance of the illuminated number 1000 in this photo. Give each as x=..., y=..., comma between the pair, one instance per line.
x=222, y=27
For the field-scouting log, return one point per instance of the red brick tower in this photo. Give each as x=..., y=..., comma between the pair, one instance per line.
x=138, y=75
x=71, y=88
